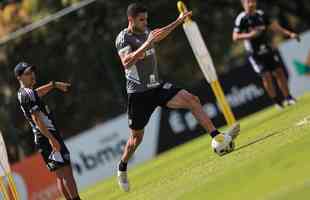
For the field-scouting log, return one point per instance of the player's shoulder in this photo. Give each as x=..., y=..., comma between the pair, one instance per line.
x=121, y=37
x=26, y=95
x=240, y=17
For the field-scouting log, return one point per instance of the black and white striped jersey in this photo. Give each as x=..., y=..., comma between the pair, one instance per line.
x=30, y=102
x=244, y=23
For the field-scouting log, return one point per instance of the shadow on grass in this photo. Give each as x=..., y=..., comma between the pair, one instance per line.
x=278, y=132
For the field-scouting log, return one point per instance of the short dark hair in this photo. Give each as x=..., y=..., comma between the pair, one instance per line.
x=135, y=8
x=242, y=1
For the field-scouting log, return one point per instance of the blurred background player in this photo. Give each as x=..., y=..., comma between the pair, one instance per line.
x=46, y=135
x=252, y=27
x=146, y=91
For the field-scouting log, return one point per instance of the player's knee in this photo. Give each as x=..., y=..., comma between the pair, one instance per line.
x=193, y=101
x=279, y=73
x=138, y=139
x=188, y=97
x=135, y=140
x=130, y=145
x=60, y=173
x=183, y=94
x=267, y=76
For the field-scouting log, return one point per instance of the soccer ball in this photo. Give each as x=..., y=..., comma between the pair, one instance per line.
x=222, y=144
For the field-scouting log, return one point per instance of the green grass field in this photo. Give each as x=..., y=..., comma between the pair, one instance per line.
x=271, y=162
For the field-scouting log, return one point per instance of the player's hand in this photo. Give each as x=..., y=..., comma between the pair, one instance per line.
x=254, y=33
x=294, y=36
x=55, y=145
x=183, y=16
x=64, y=87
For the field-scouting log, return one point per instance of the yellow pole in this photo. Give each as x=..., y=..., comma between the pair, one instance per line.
x=219, y=94
x=13, y=186
x=3, y=189
x=230, y=114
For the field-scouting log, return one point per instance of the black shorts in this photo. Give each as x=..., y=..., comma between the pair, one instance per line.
x=266, y=62
x=52, y=160
x=141, y=105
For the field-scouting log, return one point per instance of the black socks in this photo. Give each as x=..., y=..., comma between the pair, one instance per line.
x=214, y=133
x=122, y=166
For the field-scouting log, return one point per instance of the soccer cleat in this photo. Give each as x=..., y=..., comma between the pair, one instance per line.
x=279, y=106
x=234, y=131
x=290, y=101
x=123, y=180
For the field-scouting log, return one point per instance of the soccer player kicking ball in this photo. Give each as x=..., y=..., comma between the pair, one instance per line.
x=46, y=135
x=135, y=45
x=252, y=26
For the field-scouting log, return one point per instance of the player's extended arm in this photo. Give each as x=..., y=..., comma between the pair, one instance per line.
x=277, y=28
x=245, y=36
x=45, y=89
x=165, y=31
x=36, y=117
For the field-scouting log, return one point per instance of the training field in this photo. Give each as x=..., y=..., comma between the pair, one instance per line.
x=271, y=162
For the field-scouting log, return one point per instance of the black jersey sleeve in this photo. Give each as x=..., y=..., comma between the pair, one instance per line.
x=28, y=100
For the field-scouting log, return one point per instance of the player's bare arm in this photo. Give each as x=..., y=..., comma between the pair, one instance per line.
x=246, y=36
x=277, y=28
x=45, y=89
x=165, y=31
x=129, y=59
x=36, y=117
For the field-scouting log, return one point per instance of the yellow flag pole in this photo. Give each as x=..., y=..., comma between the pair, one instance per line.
x=13, y=186
x=227, y=111
x=3, y=189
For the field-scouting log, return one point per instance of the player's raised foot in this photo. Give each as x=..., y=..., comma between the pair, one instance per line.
x=123, y=180
x=233, y=131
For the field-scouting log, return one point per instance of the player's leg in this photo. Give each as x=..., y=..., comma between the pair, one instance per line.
x=67, y=183
x=185, y=100
x=283, y=85
x=172, y=97
x=133, y=142
x=261, y=65
x=62, y=188
x=64, y=169
x=59, y=162
x=268, y=84
x=140, y=109
x=269, y=87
